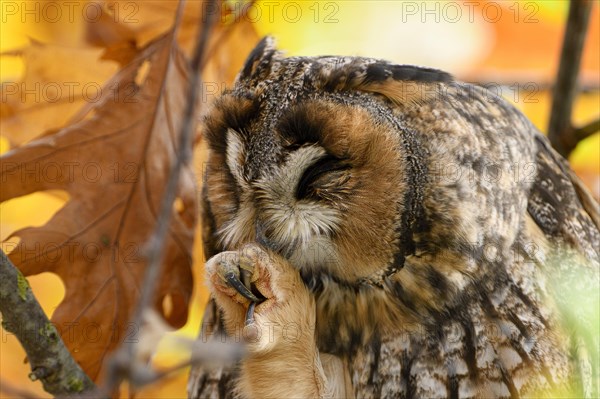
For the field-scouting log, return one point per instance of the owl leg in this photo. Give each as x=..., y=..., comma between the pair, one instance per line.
x=282, y=356
x=258, y=284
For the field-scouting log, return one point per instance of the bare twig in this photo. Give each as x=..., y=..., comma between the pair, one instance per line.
x=155, y=245
x=201, y=353
x=560, y=129
x=50, y=360
x=587, y=130
x=223, y=35
x=123, y=364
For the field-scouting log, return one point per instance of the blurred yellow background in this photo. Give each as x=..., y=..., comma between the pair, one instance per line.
x=513, y=43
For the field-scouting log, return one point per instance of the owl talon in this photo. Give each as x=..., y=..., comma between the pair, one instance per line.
x=250, y=314
x=236, y=283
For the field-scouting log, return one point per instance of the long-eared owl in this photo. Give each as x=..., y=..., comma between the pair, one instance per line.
x=382, y=230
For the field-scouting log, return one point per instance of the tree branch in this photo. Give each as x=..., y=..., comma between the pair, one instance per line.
x=587, y=130
x=560, y=129
x=155, y=245
x=50, y=360
x=123, y=364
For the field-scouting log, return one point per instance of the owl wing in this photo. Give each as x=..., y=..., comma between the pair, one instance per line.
x=490, y=344
x=525, y=326
x=560, y=204
x=568, y=216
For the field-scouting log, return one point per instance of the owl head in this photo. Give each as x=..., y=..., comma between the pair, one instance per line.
x=308, y=156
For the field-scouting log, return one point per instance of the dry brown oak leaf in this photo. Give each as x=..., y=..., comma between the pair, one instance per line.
x=114, y=165
x=57, y=81
x=123, y=27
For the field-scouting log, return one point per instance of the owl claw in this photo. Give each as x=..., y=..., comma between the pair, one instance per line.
x=236, y=283
x=250, y=314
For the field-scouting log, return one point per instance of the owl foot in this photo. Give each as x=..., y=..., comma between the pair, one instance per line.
x=237, y=271
x=261, y=294
x=231, y=276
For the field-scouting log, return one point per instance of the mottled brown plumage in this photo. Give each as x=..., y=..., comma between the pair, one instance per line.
x=414, y=230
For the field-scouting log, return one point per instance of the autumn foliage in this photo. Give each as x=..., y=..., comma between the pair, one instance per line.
x=110, y=150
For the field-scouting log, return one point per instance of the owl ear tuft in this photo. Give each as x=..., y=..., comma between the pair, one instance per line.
x=259, y=61
x=400, y=83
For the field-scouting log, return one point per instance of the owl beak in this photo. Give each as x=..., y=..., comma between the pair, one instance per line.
x=262, y=239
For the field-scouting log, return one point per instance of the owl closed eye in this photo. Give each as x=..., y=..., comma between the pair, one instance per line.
x=326, y=179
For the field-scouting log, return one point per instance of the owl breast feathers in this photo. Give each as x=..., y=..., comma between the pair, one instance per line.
x=381, y=230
